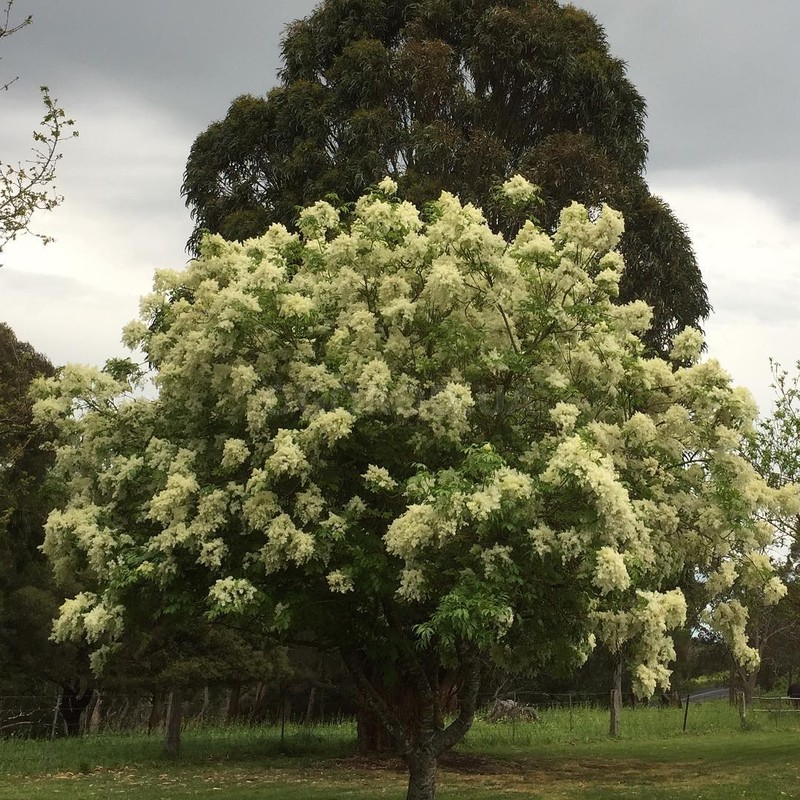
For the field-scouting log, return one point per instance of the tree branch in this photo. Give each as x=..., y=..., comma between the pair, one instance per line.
x=467, y=703
x=375, y=702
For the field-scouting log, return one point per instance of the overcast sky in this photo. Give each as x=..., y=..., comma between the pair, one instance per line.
x=143, y=79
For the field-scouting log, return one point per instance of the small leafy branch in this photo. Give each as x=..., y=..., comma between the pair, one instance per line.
x=8, y=29
x=29, y=186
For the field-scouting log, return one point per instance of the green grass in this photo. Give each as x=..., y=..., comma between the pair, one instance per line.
x=562, y=756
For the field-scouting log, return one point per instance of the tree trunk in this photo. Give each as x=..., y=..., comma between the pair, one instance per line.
x=312, y=694
x=234, y=697
x=172, y=739
x=732, y=682
x=422, y=775
x=156, y=709
x=71, y=705
x=422, y=742
x=371, y=735
x=206, y=702
x=616, y=696
x=749, y=681
x=257, y=709
x=96, y=715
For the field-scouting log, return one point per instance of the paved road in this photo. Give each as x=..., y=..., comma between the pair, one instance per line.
x=717, y=693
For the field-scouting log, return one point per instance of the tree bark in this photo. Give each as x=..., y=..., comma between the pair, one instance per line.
x=371, y=734
x=404, y=700
x=422, y=775
x=749, y=681
x=96, y=715
x=206, y=703
x=71, y=705
x=234, y=697
x=732, y=681
x=172, y=739
x=423, y=742
x=312, y=694
x=156, y=709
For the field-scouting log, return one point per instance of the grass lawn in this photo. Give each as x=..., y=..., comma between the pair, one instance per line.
x=549, y=760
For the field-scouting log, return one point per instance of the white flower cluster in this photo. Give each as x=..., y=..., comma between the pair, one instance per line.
x=565, y=415
x=505, y=484
x=234, y=453
x=286, y=543
x=287, y=457
x=379, y=479
x=231, y=595
x=730, y=620
x=610, y=574
x=687, y=345
x=87, y=615
x=328, y=427
x=315, y=221
x=647, y=624
x=418, y=526
x=340, y=582
x=574, y=459
x=446, y=412
x=519, y=189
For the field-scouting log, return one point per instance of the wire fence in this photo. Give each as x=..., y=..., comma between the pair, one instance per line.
x=92, y=711
x=56, y=715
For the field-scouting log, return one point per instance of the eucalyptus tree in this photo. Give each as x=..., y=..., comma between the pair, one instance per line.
x=456, y=95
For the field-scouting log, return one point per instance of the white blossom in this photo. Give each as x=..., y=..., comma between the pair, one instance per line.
x=232, y=594
x=234, y=453
x=378, y=478
x=687, y=345
x=447, y=411
x=519, y=189
x=610, y=574
x=340, y=582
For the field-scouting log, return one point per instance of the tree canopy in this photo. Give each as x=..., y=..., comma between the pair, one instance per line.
x=406, y=437
x=27, y=596
x=455, y=95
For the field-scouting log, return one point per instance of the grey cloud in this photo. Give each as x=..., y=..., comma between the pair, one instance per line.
x=191, y=57
x=719, y=77
x=67, y=319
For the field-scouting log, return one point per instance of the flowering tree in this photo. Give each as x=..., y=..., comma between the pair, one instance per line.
x=757, y=616
x=427, y=445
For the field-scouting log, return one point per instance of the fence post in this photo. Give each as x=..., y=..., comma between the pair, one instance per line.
x=283, y=715
x=742, y=707
x=55, y=717
x=570, y=712
x=686, y=712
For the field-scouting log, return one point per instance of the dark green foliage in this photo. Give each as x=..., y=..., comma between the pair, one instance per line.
x=28, y=600
x=455, y=95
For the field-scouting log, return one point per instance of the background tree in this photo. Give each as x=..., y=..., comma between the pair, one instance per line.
x=422, y=443
x=28, y=595
x=29, y=186
x=456, y=95
x=774, y=450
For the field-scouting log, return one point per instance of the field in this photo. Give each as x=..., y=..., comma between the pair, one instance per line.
x=564, y=755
